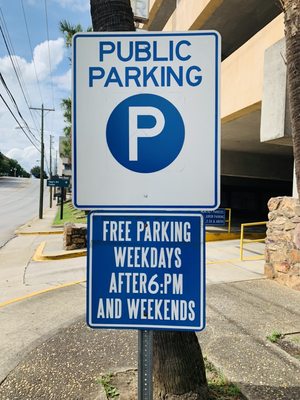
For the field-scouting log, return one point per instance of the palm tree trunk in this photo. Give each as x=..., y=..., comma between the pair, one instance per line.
x=112, y=15
x=179, y=371
x=291, y=10
x=178, y=366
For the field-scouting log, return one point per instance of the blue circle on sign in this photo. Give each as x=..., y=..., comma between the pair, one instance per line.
x=145, y=133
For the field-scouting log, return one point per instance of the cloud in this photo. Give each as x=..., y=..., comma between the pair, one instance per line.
x=40, y=66
x=64, y=81
x=13, y=142
x=27, y=157
x=75, y=5
x=41, y=56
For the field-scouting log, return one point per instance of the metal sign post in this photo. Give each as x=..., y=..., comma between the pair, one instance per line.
x=145, y=354
x=62, y=191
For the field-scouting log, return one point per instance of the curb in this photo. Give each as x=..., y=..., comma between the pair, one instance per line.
x=38, y=292
x=39, y=256
x=215, y=237
x=58, y=232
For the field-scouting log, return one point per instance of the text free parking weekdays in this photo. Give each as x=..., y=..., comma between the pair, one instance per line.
x=144, y=276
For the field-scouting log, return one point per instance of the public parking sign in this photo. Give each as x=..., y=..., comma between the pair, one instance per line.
x=146, y=120
x=146, y=271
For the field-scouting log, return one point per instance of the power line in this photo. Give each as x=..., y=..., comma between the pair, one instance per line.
x=36, y=75
x=21, y=127
x=14, y=62
x=50, y=66
x=16, y=106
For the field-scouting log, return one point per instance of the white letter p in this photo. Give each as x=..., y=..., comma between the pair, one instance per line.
x=135, y=132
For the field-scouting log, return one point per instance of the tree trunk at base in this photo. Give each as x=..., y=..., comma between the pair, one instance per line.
x=291, y=10
x=178, y=367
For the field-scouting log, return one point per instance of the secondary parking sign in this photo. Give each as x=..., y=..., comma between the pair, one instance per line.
x=146, y=271
x=146, y=120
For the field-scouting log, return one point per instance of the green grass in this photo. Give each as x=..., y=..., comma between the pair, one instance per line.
x=70, y=214
x=274, y=336
x=110, y=390
x=219, y=387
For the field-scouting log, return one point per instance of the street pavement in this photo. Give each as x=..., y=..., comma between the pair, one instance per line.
x=48, y=352
x=19, y=201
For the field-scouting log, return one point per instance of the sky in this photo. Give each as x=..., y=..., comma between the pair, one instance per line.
x=43, y=82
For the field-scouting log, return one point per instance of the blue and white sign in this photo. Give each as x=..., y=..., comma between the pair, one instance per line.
x=146, y=120
x=146, y=271
x=216, y=217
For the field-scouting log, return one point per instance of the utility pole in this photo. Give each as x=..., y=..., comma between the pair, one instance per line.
x=56, y=163
x=42, y=109
x=51, y=169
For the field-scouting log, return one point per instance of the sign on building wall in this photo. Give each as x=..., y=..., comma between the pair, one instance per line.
x=140, y=9
x=146, y=120
x=146, y=271
x=216, y=217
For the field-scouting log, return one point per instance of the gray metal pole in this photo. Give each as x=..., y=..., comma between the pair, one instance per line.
x=42, y=109
x=145, y=363
x=42, y=166
x=50, y=170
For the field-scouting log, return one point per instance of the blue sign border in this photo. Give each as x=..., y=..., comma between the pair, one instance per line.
x=202, y=267
x=193, y=208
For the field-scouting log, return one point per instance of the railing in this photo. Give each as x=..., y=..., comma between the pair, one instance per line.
x=242, y=241
x=228, y=220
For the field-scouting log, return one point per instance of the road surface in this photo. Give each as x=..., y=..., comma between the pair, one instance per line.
x=19, y=202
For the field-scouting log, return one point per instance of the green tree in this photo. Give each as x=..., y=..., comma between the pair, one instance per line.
x=36, y=171
x=68, y=30
x=67, y=143
x=178, y=363
x=11, y=167
x=4, y=164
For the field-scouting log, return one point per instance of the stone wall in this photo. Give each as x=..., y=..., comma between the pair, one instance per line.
x=282, y=254
x=75, y=236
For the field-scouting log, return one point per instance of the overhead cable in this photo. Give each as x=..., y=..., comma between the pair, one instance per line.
x=49, y=56
x=14, y=62
x=16, y=106
x=21, y=127
x=30, y=45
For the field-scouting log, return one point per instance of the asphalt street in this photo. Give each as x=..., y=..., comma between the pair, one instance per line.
x=19, y=202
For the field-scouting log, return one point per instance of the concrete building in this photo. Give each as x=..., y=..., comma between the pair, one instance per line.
x=64, y=167
x=256, y=148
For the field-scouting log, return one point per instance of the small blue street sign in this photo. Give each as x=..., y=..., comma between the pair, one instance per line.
x=146, y=271
x=61, y=182
x=216, y=217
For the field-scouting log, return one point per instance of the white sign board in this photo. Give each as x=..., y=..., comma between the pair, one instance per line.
x=140, y=9
x=146, y=120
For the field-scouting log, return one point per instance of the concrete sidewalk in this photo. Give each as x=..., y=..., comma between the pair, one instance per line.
x=243, y=308
x=42, y=226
